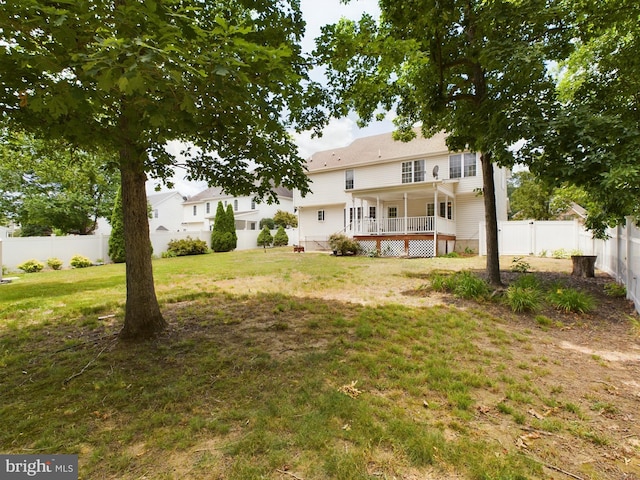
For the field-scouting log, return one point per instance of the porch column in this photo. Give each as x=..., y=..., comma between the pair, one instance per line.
x=436, y=209
x=405, y=212
x=378, y=215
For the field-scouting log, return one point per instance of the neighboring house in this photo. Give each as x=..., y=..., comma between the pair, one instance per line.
x=199, y=211
x=400, y=199
x=166, y=211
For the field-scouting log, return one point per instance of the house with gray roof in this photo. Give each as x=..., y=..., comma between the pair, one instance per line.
x=396, y=198
x=166, y=211
x=199, y=211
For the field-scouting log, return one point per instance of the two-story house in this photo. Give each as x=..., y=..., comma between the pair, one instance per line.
x=166, y=211
x=199, y=211
x=414, y=198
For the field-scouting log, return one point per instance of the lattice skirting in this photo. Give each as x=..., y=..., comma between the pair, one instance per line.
x=392, y=248
x=368, y=247
x=422, y=248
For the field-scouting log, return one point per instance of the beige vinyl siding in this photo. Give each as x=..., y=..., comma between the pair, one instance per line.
x=310, y=227
x=326, y=188
x=390, y=174
x=469, y=213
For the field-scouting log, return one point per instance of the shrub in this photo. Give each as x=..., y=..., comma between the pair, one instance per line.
x=268, y=222
x=571, y=300
x=78, y=261
x=187, y=246
x=560, y=253
x=344, y=245
x=223, y=236
x=522, y=299
x=54, y=263
x=519, y=265
x=265, y=239
x=281, y=238
x=31, y=266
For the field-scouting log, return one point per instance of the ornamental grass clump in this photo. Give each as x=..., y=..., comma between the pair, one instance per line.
x=461, y=284
x=571, y=300
x=523, y=299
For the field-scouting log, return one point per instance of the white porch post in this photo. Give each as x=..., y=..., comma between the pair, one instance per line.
x=435, y=221
x=405, y=212
x=378, y=215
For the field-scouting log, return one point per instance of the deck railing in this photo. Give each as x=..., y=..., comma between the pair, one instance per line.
x=372, y=226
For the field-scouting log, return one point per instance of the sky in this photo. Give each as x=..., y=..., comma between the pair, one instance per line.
x=339, y=132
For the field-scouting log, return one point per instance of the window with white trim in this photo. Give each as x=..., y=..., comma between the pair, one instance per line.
x=208, y=207
x=195, y=210
x=372, y=212
x=321, y=215
x=462, y=165
x=413, y=171
x=235, y=205
x=348, y=180
x=392, y=212
x=253, y=204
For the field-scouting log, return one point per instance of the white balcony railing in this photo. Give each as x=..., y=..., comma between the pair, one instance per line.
x=400, y=225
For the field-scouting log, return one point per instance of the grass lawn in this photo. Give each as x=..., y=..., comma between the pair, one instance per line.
x=298, y=366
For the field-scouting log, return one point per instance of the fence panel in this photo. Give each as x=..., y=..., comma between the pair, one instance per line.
x=17, y=250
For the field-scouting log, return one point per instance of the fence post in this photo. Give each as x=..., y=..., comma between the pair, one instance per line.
x=627, y=255
x=0, y=260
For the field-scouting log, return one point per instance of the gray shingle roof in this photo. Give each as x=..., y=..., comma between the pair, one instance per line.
x=213, y=193
x=376, y=148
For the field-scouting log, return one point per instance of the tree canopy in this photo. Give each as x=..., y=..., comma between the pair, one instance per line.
x=50, y=186
x=228, y=78
x=594, y=136
x=472, y=68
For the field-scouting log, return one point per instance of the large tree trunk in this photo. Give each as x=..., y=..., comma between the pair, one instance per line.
x=142, y=312
x=491, y=219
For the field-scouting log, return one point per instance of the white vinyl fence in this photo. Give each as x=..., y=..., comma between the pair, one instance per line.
x=16, y=250
x=619, y=256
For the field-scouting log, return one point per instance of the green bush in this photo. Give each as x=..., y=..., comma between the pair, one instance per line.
x=186, y=246
x=343, y=245
x=281, y=238
x=571, y=300
x=268, y=222
x=54, y=263
x=265, y=239
x=78, y=261
x=31, y=266
x=223, y=236
x=522, y=299
x=519, y=265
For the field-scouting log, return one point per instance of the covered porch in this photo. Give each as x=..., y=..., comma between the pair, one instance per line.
x=426, y=208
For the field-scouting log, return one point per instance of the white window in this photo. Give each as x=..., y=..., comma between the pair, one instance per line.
x=253, y=204
x=208, y=209
x=372, y=212
x=252, y=225
x=413, y=171
x=431, y=209
x=235, y=205
x=446, y=209
x=195, y=210
x=348, y=180
x=392, y=212
x=462, y=165
x=155, y=213
x=321, y=215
